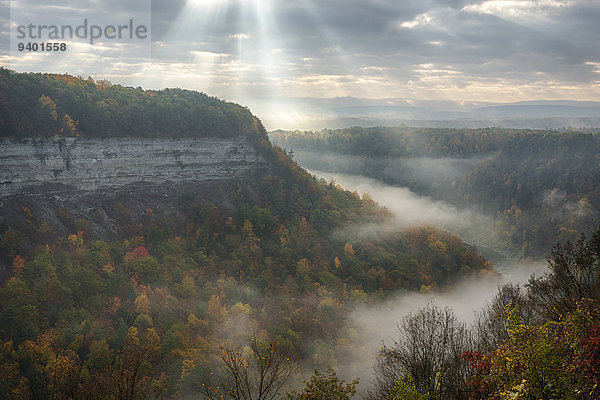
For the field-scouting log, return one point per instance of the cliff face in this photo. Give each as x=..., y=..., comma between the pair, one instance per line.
x=83, y=165
x=50, y=188
x=111, y=163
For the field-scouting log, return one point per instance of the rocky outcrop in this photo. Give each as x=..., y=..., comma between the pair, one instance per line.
x=85, y=165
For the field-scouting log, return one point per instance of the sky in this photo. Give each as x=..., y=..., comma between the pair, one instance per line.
x=261, y=52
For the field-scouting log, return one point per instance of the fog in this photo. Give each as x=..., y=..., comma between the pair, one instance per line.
x=556, y=202
x=411, y=209
x=377, y=324
x=423, y=169
x=430, y=169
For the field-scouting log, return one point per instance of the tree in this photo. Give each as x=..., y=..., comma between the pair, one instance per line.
x=427, y=355
x=405, y=389
x=64, y=373
x=47, y=103
x=348, y=250
x=129, y=376
x=255, y=372
x=491, y=326
x=557, y=360
x=68, y=126
x=328, y=386
x=574, y=275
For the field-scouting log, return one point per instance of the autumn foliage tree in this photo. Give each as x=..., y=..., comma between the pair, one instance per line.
x=558, y=359
x=130, y=378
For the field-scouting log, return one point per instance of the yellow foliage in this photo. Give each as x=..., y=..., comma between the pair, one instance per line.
x=187, y=367
x=348, y=250
x=142, y=305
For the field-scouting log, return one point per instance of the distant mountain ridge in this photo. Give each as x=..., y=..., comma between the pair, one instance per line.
x=539, y=111
x=342, y=112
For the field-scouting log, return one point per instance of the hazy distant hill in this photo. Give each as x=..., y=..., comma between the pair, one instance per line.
x=584, y=110
x=345, y=112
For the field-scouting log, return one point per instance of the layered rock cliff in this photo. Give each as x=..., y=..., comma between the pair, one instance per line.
x=116, y=162
x=53, y=187
x=84, y=165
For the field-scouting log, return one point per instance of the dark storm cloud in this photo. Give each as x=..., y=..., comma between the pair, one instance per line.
x=163, y=14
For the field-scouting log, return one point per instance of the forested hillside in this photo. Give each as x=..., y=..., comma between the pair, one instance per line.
x=47, y=104
x=537, y=185
x=149, y=309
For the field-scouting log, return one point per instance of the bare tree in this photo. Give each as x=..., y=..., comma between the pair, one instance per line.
x=428, y=352
x=256, y=372
x=388, y=369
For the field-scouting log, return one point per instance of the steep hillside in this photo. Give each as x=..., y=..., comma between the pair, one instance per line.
x=197, y=234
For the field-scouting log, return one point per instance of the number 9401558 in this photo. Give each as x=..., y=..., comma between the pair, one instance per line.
x=43, y=46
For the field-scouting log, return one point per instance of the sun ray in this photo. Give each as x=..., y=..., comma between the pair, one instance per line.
x=192, y=33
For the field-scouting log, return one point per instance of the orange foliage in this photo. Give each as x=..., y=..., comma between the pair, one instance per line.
x=18, y=264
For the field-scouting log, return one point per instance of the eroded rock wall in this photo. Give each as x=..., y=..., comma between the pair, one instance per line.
x=90, y=164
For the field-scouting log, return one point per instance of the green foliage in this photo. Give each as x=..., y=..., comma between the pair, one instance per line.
x=100, y=355
x=50, y=104
x=555, y=360
x=405, y=389
x=329, y=386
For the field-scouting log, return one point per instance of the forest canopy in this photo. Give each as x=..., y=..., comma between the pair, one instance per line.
x=35, y=104
x=538, y=185
x=164, y=298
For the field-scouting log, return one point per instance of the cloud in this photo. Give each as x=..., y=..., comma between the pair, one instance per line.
x=419, y=20
x=516, y=8
x=473, y=50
